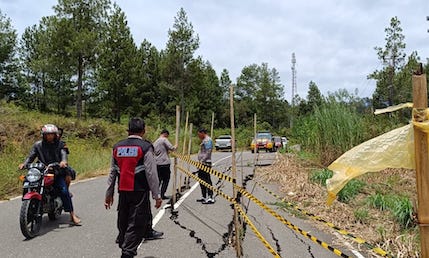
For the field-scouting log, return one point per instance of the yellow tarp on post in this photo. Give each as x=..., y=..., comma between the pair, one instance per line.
x=394, y=149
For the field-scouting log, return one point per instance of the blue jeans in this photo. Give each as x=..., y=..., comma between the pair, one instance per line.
x=60, y=184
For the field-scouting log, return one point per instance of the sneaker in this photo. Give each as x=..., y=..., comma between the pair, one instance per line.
x=202, y=199
x=153, y=234
x=209, y=201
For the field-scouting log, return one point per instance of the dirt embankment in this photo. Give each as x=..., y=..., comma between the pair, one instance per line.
x=379, y=228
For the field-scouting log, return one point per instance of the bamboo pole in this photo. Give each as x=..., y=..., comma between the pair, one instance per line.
x=189, y=153
x=421, y=159
x=173, y=196
x=254, y=137
x=184, y=149
x=211, y=127
x=233, y=170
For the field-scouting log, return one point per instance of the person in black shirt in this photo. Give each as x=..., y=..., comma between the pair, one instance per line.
x=50, y=150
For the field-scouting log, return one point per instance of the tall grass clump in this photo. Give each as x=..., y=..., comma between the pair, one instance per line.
x=320, y=176
x=330, y=130
x=350, y=190
x=400, y=207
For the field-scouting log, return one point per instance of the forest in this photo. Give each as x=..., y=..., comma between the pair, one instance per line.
x=83, y=62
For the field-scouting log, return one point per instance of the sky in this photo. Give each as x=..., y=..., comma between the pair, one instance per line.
x=333, y=40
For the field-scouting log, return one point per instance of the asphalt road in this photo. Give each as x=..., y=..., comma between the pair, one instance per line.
x=198, y=230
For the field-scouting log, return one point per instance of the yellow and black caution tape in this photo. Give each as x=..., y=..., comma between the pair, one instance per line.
x=267, y=209
x=358, y=240
x=204, y=167
x=230, y=199
x=288, y=223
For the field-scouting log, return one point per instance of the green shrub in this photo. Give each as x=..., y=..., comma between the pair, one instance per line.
x=402, y=211
x=400, y=207
x=379, y=201
x=350, y=190
x=320, y=176
x=329, y=131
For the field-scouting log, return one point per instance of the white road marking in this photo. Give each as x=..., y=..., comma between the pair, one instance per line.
x=161, y=213
x=349, y=246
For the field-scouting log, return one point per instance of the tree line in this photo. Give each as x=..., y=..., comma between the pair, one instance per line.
x=83, y=61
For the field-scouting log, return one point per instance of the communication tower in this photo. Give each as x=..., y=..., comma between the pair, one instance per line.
x=294, y=90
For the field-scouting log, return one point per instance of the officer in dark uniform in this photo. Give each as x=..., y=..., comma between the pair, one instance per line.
x=133, y=163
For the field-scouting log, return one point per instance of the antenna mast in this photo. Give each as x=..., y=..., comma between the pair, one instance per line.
x=294, y=90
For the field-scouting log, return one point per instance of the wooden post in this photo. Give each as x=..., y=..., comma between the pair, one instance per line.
x=183, y=149
x=189, y=153
x=421, y=158
x=176, y=142
x=254, y=136
x=233, y=171
x=211, y=128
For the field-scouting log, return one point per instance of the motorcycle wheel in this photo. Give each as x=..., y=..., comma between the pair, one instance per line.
x=29, y=219
x=54, y=215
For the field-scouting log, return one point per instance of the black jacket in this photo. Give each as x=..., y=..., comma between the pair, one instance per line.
x=47, y=152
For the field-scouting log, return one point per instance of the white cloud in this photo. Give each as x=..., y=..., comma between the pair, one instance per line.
x=333, y=40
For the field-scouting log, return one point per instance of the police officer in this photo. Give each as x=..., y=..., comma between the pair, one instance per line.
x=205, y=157
x=162, y=147
x=134, y=165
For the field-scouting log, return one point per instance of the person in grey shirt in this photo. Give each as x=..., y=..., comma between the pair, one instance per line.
x=205, y=157
x=162, y=147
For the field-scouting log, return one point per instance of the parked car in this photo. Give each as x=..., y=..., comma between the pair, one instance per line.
x=277, y=143
x=223, y=142
x=264, y=141
x=284, y=142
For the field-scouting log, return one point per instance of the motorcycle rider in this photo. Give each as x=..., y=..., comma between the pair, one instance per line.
x=50, y=150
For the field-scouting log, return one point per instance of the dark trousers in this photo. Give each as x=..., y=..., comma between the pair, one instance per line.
x=134, y=218
x=206, y=178
x=60, y=183
x=164, y=177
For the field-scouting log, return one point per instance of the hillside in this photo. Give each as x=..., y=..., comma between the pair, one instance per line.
x=378, y=210
x=89, y=141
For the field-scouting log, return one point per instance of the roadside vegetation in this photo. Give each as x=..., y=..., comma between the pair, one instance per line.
x=89, y=141
x=377, y=207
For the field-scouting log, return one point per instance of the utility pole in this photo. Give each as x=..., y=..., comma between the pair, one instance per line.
x=294, y=89
x=293, y=79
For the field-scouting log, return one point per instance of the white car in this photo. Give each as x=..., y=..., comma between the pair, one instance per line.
x=284, y=142
x=223, y=142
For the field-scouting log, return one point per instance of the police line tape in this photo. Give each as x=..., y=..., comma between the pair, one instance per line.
x=204, y=168
x=344, y=232
x=240, y=210
x=264, y=207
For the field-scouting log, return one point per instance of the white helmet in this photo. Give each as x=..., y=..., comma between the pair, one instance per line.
x=49, y=128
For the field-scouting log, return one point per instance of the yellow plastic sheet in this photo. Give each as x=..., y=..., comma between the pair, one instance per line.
x=394, y=149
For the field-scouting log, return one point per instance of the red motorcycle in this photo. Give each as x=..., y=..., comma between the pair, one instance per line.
x=39, y=197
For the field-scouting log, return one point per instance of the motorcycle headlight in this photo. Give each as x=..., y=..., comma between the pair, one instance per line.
x=33, y=175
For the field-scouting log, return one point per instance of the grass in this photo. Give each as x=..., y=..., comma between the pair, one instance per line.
x=381, y=212
x=362, y=215
x=400, y=207
x=350, y=190
x=329, y=131
x=320, y=176
x=346, y=194
x=89, y=142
